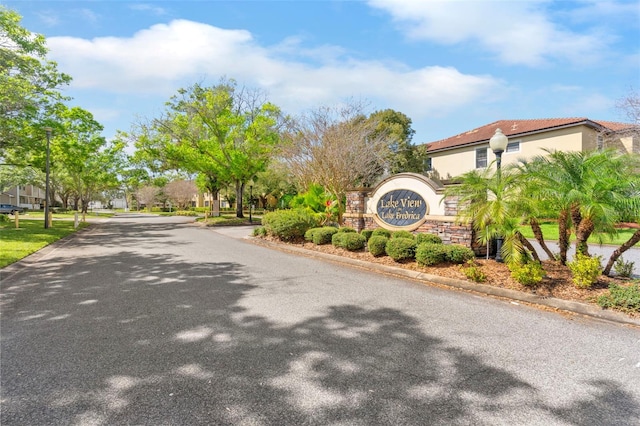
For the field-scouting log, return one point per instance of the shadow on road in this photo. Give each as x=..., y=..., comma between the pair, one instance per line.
x=160, y=341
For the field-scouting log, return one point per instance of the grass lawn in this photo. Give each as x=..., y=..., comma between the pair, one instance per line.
x=550, y=232
x=16, y=244
x=230, y=220
x=65, y=215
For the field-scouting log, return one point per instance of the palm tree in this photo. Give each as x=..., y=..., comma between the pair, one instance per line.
x=492, y=205
x=587, y=190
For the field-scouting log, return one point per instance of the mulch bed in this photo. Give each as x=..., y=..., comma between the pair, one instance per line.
x=557, y=282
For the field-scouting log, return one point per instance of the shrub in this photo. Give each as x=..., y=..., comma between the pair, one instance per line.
x=585, y=270
x=308, y=235
x=428, y=238
x=622, y=298
x=377, y=244
x=402, y=234
x=528, y=273
x=260, y=231
x=381, y=232
x=429, y=254
x=457, y=253
x=4, y=218
x=622, y=268
x=367, y=233
x=186, y=213
x=400, y=249
x=351, y=241
x=473, y=272
x=346, y=229
x=288, y=224
x=323, y=235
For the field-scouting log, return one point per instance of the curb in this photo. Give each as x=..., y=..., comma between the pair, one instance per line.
x=550, y=302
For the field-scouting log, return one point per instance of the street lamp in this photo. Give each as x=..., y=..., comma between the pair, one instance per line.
x=498, y=144
x=250, y=200
x=46, y=185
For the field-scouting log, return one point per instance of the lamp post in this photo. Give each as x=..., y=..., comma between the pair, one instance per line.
x=46, y=185
x=498, y=144
x=250, y=201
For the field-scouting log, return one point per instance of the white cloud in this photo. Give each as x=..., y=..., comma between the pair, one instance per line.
x=518, y=32
x=145, y=7
x=167, y=56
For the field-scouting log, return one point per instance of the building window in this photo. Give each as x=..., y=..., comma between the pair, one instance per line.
x=428, y=166
x=481, y=158
x=513, y=147
x=206, y=203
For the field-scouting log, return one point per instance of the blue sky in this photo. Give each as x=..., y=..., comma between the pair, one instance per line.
x=450, y=66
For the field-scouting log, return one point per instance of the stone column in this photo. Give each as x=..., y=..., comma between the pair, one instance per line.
x=355, y=209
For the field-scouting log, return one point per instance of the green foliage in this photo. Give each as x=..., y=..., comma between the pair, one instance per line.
x=186, y=213
x=29, y=93
x=529, y=273
x=351, y=241
x=317, y=200
x=377, y=245
x=323, y=235
x=4, y=218
x=427, y=238
x=260, y=231
x=457, y=253
x=289, y=225
x=346, y=229
x=473, y=272
x=381, y=232
x=402, y=234
x=400, y=249
x=367, y=233
x=622, y=268
x=585, y=270
x=429, y=254
x=623, y=298
x=308, y=235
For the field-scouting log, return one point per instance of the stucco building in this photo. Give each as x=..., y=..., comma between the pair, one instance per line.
x=470, y=150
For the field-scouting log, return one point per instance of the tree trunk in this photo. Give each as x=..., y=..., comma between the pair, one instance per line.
x=239, y=191
x=576, y=216
x=529, y=247
x=583, y=231
x=563, y=235
x=537, y=232
x=635, y=238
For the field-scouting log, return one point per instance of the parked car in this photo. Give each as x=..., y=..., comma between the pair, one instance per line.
x=10, y=208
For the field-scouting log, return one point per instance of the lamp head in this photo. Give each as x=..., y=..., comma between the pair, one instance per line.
x=498, y=142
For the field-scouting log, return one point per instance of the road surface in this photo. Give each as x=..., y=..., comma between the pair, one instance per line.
x=157, y=321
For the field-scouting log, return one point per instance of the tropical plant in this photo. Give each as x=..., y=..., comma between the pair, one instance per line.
x=587, y=192
x=491, y=202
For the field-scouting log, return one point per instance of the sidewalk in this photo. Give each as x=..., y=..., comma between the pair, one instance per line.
x=631, y=255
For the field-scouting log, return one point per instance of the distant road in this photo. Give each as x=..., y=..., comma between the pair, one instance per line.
x=146, y=320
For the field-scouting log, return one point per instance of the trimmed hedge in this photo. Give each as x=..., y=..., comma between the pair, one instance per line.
x=367, y=233
x=323, y=235
x=402, y=234
x=351, y=241
x=346, y=229
x=377, y=245
x=400, y=249
x=428, y=238
x=429, y=254
x=289, y=224
x=457, y=253
x=381, y=232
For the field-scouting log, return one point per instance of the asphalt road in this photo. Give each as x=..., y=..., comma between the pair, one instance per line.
x=156, y=321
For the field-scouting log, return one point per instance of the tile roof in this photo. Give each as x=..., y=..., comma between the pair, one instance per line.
x=517, y=128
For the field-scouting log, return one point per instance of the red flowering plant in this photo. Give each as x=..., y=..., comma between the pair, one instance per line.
x=317, y=200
